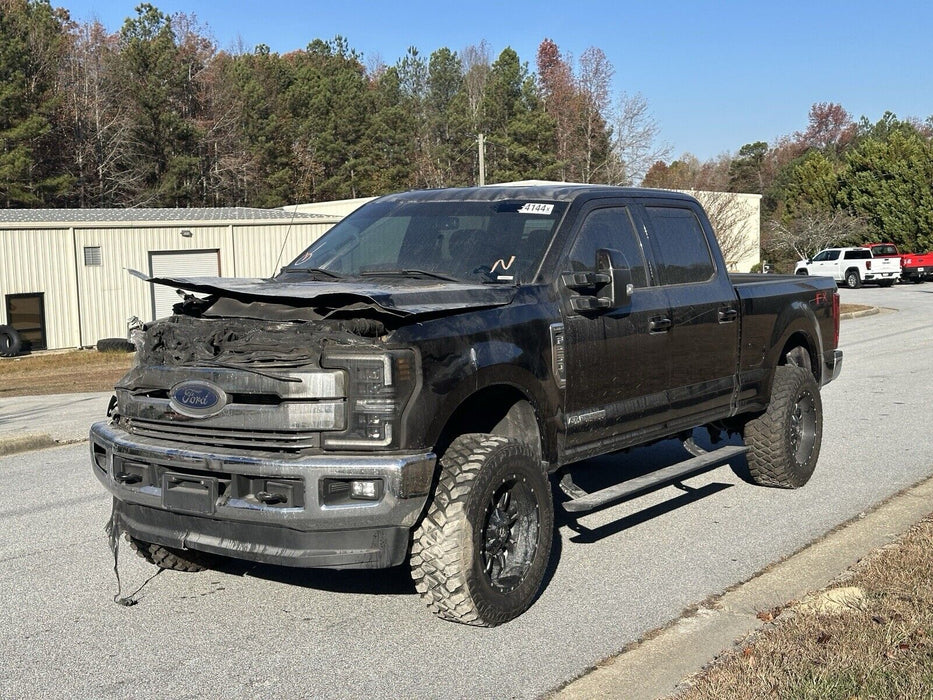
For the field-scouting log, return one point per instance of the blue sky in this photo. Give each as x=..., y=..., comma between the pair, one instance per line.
x=716, y=75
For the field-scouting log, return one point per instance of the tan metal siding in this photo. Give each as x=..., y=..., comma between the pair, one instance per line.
x=258, y=248
x=109, y=294
x=41, y=260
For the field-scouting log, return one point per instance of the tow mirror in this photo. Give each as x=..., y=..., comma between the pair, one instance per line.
x=611, y=283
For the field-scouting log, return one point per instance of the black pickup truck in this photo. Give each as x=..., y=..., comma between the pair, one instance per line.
x=407, y=388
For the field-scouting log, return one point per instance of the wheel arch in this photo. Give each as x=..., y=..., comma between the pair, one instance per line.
x=497, y=409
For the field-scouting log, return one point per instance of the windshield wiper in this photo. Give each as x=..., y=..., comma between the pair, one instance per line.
x=311, y=270
x=408, y=272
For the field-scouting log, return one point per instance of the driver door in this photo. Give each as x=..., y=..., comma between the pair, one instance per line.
x=617, y=360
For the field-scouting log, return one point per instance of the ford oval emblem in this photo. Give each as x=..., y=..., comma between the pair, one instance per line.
x=197, y=399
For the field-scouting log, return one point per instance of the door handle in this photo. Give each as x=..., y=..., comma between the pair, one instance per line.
x=728, y=315
x=659, y=325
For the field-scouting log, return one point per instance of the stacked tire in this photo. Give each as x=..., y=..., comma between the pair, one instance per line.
x=11, y=343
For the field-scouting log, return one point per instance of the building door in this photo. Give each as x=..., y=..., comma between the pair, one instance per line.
x=26, y=313
x=178, y=263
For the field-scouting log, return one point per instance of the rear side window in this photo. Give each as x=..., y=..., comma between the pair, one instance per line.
x=858, y=254
x=610, y=227
x=682, y=252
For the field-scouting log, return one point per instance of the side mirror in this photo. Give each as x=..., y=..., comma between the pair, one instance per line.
x=611, y=283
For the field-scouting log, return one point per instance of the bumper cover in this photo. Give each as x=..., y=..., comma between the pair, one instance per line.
x=198, y=499
x=832, y=365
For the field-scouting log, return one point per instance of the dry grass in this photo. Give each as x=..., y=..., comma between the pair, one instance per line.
x=852, y=308
x=880, y=646
x=62, y=372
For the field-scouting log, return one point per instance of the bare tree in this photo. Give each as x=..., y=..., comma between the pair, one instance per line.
x=813, y=231
x=593, y=86
x=635, y=144
x=731, y=217
x=477, y=64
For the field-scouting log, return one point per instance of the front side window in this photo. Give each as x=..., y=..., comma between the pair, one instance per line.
x=472, y=241
x=612, y=228
x=680, y=246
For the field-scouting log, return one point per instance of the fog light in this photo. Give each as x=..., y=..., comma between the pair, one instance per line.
x=366, y=490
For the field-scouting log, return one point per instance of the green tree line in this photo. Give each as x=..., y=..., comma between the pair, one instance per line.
x=838, y=182
x=155, y=115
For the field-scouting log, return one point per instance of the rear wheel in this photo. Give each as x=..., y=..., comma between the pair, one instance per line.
x=480, y=553
x=784, y=442
x=886, y=283
x=853, y=279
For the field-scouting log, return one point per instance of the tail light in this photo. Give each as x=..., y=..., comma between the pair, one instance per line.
x=868, y=264
x=835, y=319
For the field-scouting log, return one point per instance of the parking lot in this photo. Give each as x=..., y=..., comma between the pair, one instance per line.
x=616, y=575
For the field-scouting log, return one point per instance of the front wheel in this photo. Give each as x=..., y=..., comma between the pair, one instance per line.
x=784, y=442
x=803, y=272
x=479, y=555
x=170, y=557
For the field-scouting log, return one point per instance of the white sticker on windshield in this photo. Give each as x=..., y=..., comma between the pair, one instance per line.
x=536, y=208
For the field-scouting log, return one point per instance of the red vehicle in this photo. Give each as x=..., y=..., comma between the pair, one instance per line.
x=915, y=267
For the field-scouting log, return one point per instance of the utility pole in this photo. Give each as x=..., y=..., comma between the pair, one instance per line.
x=482, y=160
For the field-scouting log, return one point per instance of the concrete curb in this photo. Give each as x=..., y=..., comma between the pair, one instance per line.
x=658, y=665
x=859, y=314
x=12, y=444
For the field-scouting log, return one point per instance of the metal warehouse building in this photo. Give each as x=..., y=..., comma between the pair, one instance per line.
x=63, y=278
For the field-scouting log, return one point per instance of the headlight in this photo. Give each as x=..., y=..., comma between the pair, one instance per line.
x=379, y=385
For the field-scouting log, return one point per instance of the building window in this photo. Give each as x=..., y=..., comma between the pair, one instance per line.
x=92, y=255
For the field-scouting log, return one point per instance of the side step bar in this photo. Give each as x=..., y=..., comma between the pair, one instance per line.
x=582, y=501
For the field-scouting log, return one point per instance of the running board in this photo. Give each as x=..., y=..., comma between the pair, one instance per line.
x=583, y=502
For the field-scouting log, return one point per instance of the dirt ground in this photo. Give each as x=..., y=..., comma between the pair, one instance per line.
x=65, y=372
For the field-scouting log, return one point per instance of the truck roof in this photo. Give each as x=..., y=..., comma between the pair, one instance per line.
x=561, y=192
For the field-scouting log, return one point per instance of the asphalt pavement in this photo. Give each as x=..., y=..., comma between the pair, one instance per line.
x=617, y=576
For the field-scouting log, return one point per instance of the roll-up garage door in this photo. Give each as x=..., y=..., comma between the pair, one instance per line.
x=178, y=263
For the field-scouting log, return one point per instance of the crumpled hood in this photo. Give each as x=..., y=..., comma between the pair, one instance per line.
x=398, y=297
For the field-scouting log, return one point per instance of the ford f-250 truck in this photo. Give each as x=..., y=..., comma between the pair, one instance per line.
x=407, y=387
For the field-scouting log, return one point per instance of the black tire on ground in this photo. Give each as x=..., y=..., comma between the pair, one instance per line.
x=802, y=271
x=853, y=279
x=170, y=557
x=784, y=442
x=11, y=344
x=886, y=283
x=479, y=555
x=115, y=345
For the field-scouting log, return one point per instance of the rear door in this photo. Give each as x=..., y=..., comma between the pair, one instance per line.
x=704, y=308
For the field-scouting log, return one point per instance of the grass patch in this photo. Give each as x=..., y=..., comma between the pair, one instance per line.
x=67, y=372
x=852, y=308
x=880, y=646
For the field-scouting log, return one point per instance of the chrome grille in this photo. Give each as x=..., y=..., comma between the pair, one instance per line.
x=213, y=437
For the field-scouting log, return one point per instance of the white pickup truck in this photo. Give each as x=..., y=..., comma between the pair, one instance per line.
x=852, y=266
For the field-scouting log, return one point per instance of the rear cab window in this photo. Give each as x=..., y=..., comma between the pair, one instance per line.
x=680, y=246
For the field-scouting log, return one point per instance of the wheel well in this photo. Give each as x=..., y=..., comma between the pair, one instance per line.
x=855, y=270
x=498, y=410
x=798, y=351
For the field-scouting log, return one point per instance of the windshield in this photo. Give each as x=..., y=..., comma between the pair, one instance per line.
x=469, y=241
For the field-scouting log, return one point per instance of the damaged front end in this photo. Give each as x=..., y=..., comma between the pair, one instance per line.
x=264, y=431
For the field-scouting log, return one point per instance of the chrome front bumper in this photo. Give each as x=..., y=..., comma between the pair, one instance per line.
x=212, y=501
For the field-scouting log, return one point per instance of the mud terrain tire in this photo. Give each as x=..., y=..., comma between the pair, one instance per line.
x=479, y=555
x=11, y=344
x=784, y=442
x=170, y=557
